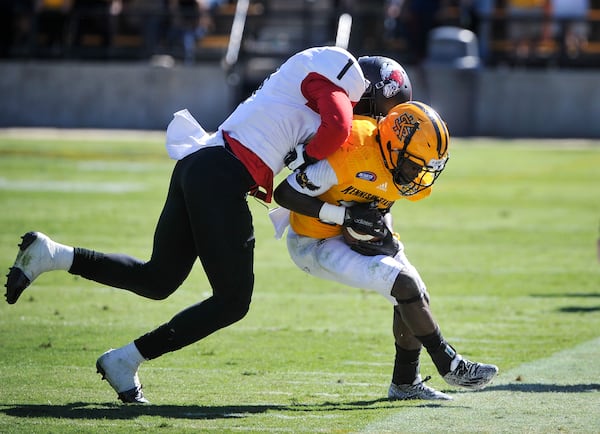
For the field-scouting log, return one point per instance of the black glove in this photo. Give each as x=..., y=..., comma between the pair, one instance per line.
x=297, y=158
x=387, y=246
x=367, y=219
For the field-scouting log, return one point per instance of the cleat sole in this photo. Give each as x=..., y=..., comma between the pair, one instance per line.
x=16, y=280
x=16, y=283
x=133, y=396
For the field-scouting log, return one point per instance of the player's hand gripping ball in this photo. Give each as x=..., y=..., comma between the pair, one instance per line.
x=363, y=222
x=365, y=231
x=353, y=236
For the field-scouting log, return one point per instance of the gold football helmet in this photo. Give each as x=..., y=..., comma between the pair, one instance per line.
x=413, y=140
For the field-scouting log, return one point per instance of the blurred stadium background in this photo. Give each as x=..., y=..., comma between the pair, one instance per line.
x=129, y=64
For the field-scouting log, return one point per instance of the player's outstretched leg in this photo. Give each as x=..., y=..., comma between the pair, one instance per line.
x=416, y=390
x=37, y=254
x=470, y=375
x=119, y=368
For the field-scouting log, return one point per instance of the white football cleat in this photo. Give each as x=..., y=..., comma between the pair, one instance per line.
x=471, y=375
x=416, y=390
x=122, y=376
x=36, y=255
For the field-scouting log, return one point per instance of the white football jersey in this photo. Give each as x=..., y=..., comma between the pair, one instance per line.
x=276, y=118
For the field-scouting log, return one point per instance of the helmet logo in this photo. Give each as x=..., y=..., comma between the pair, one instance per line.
x=391, y=80
x=404, y=126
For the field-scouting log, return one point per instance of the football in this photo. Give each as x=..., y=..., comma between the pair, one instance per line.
x=351, y=236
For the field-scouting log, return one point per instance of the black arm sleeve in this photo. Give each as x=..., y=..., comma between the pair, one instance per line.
x=295, y=201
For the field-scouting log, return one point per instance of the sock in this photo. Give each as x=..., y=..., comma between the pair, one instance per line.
x=62, y=256
x=442, y=354
x=131, y=353
x=406, y=366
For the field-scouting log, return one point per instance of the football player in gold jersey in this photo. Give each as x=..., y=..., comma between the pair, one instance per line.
x=399, y=157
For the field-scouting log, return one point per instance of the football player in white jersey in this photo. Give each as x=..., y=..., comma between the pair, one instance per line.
x=300, y=114
x=353, y=189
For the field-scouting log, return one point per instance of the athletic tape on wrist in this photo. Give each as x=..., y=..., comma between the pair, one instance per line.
x=332, y=213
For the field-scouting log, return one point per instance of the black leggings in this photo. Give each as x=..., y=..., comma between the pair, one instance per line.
x=205, y=216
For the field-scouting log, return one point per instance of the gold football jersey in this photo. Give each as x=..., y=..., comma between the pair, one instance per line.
x=362, y=177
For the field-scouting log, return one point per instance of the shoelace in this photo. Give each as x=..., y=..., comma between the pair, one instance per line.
x=421, y=384
x=471, y=368
x=467, y=369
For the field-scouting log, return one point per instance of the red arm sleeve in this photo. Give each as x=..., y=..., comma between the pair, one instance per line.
x=335, y=109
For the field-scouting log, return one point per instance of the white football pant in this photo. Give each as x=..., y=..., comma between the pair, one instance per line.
x=333, y=259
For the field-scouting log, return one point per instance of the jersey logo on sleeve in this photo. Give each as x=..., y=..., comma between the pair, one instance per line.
x=304, y=182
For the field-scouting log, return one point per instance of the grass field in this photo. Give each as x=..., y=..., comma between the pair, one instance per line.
x=507, y=244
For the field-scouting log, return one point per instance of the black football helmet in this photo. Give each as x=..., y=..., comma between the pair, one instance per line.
x=389, y=86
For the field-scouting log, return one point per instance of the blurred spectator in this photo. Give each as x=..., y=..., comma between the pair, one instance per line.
x=91, y=19
x=148, y=17
x=16, y=27
x=571, y=28
x=7, y=17
x=392, y=28
x=50, y=25
x=421, y=16
x=477, y=15
x=214, y=5
x=191, y=20
x=528, y=27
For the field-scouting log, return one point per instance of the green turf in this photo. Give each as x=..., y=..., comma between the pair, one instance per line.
x=507, y=244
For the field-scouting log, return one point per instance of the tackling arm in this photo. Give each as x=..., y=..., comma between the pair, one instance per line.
x=335, y=109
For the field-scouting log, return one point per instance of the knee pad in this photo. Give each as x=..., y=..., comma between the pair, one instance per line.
x=406, y=289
